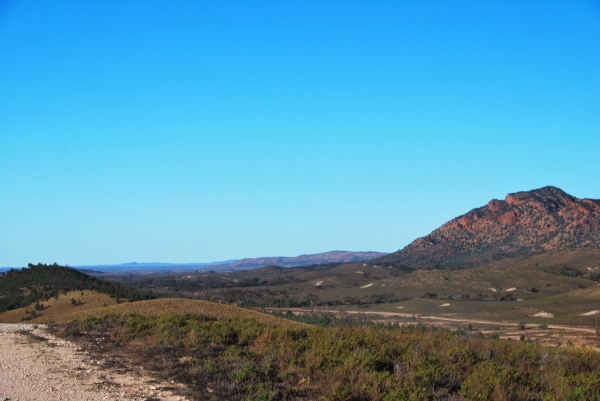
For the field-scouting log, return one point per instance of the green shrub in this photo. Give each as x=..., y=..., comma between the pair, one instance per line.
x=249, y=360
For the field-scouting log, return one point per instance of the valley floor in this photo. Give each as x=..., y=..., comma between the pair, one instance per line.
x=34, y=365
x=549, y=334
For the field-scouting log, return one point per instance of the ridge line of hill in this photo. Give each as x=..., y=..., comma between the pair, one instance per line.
x=536, y=221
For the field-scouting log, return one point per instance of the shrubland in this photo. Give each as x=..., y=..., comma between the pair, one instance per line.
x=241, y=358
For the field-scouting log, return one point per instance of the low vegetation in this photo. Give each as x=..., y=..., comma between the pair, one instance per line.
x=241, y=358
x=325, y=320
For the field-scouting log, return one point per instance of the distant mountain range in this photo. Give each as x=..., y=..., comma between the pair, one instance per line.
x=545, y=219
x=242, y=264
x=304, y=260
x=535, y=221
x=137, y=267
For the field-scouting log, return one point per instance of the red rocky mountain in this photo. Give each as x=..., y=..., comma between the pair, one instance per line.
x=541, y=220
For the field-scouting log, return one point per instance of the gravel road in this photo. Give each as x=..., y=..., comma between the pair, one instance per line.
x=36, y=366
x=13, y=327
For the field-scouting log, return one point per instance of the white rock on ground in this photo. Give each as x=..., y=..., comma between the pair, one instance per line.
x=543, y=314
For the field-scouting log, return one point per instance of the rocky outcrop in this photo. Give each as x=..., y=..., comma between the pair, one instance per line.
x=524, y=222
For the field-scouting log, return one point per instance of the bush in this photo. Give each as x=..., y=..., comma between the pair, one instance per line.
x=245, y=359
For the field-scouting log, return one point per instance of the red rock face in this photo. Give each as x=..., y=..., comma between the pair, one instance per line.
x=540, y=220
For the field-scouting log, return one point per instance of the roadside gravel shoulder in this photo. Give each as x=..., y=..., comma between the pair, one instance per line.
x=35, y=365
x=14, y=327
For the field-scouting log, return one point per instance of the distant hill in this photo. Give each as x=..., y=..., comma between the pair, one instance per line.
x=20, y=288
x=535, y=221
x=144, y=267
x=302, y=260
x=242, y=264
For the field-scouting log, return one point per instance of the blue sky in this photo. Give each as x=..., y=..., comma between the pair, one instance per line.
x=202, y=131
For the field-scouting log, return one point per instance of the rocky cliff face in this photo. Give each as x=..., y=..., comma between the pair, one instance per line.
x=535, y=221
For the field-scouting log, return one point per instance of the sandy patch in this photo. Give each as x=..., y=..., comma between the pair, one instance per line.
x=445, y=305
x=399, y=307
x=594, y=312
x=367, y=286
x=359, y=272
x=510, y=289
x=543, y=314
x=319, y=284
x=383, y=285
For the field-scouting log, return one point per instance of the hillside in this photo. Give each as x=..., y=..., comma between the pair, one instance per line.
x=99, y=305
x=541, y=220
x=56, y=308
x=20, y=288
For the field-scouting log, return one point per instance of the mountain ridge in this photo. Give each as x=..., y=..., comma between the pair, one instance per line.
x=237, y=264
x=525, y=222
x=304, y=260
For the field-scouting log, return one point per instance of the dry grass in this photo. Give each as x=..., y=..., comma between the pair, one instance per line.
x=55, y=309
x=158, y=307
x=62, y=310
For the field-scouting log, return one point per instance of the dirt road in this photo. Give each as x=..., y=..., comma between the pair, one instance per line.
x=35, y=365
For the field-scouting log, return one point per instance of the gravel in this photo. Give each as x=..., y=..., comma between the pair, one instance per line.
x=42, y=367
x=12, y=327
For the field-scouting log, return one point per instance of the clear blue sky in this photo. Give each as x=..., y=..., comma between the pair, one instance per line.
x=200, y=131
